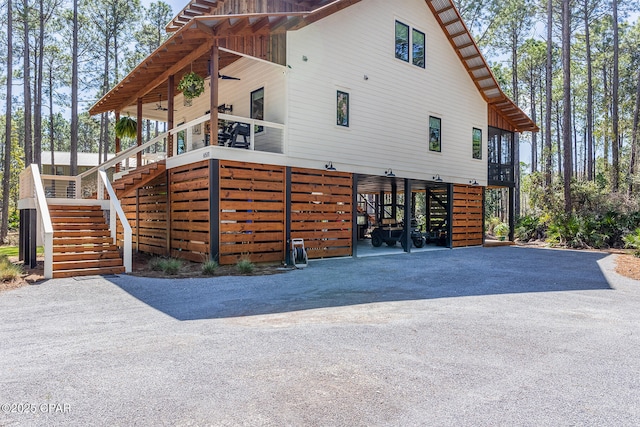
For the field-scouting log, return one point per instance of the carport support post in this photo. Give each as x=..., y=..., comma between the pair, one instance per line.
x=380, y=205
x=214, y=210
x=450, y=216
x=407, y=215
x=354, y=215
x=287, y=223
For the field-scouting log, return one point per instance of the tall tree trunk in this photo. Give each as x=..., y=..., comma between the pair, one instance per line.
x=589, y=130
x=51, y=123
x=548, y=98
x=28, y=135
x=74, y=94
x=37, y=95
x=559, y=140
x=534, y=135
x=6, y=176
x=615, y=143
x=634, y=138
x=607, y=109
x=574, y=136
x=566, y=102
x=516, y=136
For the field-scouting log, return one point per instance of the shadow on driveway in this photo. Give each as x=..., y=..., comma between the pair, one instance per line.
x=343, y=282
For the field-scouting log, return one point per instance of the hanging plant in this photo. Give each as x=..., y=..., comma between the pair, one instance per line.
x=191, y=85
x=126, y=127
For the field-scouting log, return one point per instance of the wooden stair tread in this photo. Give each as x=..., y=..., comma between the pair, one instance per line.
x=85, y=256
x=88, y=272
x=83, y=248
x=83, y=264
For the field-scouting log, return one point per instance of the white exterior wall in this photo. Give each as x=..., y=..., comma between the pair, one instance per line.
x=253, y=75
x=389, y=112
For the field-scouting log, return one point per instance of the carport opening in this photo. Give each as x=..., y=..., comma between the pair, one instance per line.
x=383, y=223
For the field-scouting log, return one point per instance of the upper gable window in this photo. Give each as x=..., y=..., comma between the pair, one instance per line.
x=402, y=41
x=410, y=45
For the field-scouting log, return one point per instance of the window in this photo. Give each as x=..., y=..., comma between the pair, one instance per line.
x=477, y=143
x=416, y=55
x=418, y=43
x=435, y=136
x=500, y=162
x=257, y=107
x=402, y=41
x=342, y=109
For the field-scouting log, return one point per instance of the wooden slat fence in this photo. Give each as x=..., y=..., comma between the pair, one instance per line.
x=252, y=212
x=321, y=211
x=146, y=211
x=190, y=218
x=467, y=215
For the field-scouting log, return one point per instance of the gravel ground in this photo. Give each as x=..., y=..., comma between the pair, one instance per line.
x=481, y=336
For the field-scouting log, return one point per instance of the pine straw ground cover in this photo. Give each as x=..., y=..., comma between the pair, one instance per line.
x=626, y=265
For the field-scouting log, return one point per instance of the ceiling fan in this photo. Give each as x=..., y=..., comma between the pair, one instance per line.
x=159, y=106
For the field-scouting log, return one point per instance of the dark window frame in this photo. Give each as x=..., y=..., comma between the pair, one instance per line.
x=402, y=46
x=423, y=62
x=500, y=172
x=342, y=109
x=406, y=49
x=476, y=153
x=254, y=114
x=435, y=135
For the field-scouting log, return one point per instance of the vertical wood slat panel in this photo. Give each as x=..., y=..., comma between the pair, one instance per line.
x=252, y=212
x=190, y=211
x=467, y=215
x=321, y=211
x=146, y=211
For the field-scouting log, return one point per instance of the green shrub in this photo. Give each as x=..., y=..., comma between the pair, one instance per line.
x=209, y=268
x=632, y=241
x=167, y=265
x=8, y=270
x=245, y=266
x=171, y=266
x=529, y=227
x=501, y=230
x=156, y=264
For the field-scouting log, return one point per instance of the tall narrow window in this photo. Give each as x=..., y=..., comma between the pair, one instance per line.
x=477, y=143
x=417, y=51
x=435, y=136
x=257, y=107
x=402, y=41
x=342, y=109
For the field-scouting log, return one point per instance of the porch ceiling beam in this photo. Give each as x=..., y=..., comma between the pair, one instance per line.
x=170, y=71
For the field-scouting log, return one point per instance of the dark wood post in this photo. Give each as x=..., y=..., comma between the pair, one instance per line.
x=213, y=96
x=354, y=215
x=407, y=215
x=170, y=115
x=139, y=132
x=118, y=146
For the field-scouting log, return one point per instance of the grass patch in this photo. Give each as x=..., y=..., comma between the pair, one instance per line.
x=209, y=268
x=245, y=266
x=169, y=266
x=8, y=270
x=13, y=250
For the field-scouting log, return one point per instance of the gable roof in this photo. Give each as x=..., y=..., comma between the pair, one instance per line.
x=188, y=49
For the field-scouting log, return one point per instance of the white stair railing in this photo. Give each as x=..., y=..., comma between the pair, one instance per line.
x=115, y=209
x=45, y=219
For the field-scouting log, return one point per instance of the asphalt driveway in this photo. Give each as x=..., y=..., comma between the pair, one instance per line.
x=480, y=336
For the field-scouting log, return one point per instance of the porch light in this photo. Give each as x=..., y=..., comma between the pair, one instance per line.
x=437, y=178
x=329, y=166
x=389, y=173
x=474, y=182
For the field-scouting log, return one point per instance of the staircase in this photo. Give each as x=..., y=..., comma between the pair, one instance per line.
x=82, y=243
x=138, y=177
